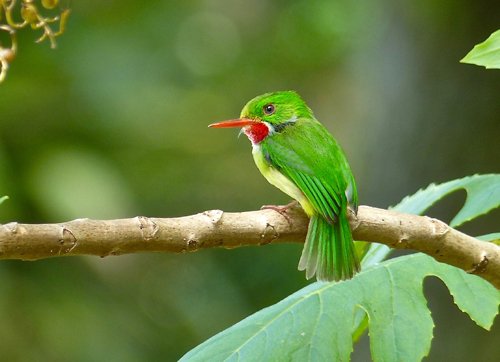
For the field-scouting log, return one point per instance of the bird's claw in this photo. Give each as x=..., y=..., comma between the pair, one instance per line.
x=281, y=209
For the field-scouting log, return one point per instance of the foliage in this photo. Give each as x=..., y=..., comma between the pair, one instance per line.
x=316, y=323
x=486, y=53
x=483, y=195
x=492, y=238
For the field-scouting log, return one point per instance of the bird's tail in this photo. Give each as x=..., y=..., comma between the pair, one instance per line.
x=329, y=250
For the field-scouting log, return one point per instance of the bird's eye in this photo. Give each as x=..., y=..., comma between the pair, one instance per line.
x=269, y=109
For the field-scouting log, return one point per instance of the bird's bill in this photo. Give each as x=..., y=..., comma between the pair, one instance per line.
x=241, y=122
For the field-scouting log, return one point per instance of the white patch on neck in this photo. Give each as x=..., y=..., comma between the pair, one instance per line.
x=270, y=128
x=255, y=147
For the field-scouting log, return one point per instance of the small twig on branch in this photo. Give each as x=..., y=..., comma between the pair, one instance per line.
x=230, y=230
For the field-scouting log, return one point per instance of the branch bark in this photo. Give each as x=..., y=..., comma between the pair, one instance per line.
x=230, y=230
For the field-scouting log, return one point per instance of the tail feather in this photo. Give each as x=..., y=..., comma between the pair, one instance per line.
x=329, y=250
x=338, y=240
x=326, y=252
x=309, y=258
x=351, y=260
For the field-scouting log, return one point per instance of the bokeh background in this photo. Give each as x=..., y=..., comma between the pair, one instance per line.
x=113, y=123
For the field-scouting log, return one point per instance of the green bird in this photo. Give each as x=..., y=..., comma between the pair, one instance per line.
x=299, y=156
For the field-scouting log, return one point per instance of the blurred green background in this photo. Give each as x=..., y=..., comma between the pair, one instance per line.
x=113, y=123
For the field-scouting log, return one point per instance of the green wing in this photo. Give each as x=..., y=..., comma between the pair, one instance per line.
x=311, y=158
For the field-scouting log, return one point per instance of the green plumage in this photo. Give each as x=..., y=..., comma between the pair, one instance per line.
x=301, y=157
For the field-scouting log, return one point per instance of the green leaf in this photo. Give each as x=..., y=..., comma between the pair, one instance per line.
x=492, y=238
x=489, y=237
x=2, y=199
x=316, y=323
x=487, y=53
x=483, y=195
x=479, y=188
x=320, y=321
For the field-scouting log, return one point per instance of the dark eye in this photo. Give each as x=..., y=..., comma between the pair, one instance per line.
x=269, y=109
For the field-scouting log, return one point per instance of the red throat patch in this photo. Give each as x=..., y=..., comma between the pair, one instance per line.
x=256, y=132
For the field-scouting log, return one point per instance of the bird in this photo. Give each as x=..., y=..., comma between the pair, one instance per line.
x=295, y=153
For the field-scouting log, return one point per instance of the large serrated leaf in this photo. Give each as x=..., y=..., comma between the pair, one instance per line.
x=329, y=316
x=483, y=195
x=487, y=53
x=316, y=323
x=478, y=187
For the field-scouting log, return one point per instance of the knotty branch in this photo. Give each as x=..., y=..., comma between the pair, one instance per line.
x=215, y=228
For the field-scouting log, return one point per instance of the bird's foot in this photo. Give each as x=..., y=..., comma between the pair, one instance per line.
x=281, y=209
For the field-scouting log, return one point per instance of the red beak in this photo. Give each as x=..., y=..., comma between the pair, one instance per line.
x=233, y=123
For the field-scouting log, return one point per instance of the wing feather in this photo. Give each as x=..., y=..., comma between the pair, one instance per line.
x=319, y=170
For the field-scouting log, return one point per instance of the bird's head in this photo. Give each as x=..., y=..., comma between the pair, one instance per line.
x=269, y=114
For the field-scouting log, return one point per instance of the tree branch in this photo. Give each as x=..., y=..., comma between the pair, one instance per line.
x=230, y=230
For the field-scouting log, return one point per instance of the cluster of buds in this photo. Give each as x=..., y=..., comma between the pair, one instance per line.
x=30, y=14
